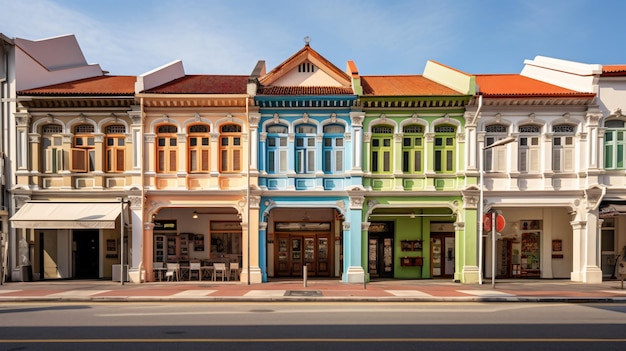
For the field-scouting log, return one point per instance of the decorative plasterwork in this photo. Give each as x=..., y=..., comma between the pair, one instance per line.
x=356, y=202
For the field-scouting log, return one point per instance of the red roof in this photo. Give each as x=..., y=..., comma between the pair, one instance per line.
x=403, y=86
x=100, y=85
x=204, y=84
x=515, y=85
x=614, y=70
x=305, y=90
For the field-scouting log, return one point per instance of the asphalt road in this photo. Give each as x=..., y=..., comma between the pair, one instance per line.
x=313, y=326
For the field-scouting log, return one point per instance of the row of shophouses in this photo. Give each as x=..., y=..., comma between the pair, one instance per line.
x=355, y=177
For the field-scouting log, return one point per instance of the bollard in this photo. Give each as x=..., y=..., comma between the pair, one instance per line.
x=305, y=273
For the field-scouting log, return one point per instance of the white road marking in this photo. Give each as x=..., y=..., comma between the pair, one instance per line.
x=408, y=293
x=266, y=293
x=484, y=293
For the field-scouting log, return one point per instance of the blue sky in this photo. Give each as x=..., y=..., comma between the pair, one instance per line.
x=380, y=36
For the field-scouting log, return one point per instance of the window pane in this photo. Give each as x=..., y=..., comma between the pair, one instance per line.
x=120, y=141
x=374, y=161
x=406, y=141
x=224, y=141
x=608, y=156
x=271, y=142
x=386, y=142
x=375, y=142
x=311, y=161
x=438, y=141
x=418, y=161
x=437, y=160
x=405, y=161
x=608, y=136
x=91, y=141
x=283, y=160
x=172, y=161
x=110, y=142
x=449, y=141
x=193, y=161
x=418, y=141
x=283, y=141
x=386, y=161
x=236, y=160
x=193, y=142
x=311, y=141
x=161, y=158
x=620, y=156
x=236, y=141
x=161, y=142
x=339, y=142
x=557, y=141
x=205, y=141
x=224, y=160
x=172, y=141
x=339, y=161
x=299, y=142
x=327, y=160
x=270, y=162
x=449, y=161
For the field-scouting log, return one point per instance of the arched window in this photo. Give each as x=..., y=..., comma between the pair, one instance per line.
x=305, y=148
x=495, y=158
x=614, y=140
x=83, y=153
x=230, y=148
x=563, y=148
x=529, y=148
x=381, y=149
x=445, y=149
x=333, y=148
x=115, y=148
x=413, y=149
x=277, y=151
x=52, y=148
x=198, y=148
x=166, y=148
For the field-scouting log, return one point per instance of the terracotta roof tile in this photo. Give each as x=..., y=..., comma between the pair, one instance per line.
x=204, y=84
x=101, y=85
x=403, y=86
x=614, y=70
x=516, y=85
x=297, y=90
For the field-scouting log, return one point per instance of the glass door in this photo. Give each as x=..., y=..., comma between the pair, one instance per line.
x=323, y=264
x=309, y=255
x=296, y=256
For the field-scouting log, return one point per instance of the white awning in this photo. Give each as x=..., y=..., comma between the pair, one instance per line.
x=64, y=215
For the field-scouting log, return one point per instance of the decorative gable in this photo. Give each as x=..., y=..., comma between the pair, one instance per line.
x=306, y=68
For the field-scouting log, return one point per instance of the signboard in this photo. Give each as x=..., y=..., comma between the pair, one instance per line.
x=487, y=221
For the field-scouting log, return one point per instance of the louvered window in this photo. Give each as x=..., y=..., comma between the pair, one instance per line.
x=198, y=142
x=277, y=150
x=614, y=142
x=333, y=149
x=413, y=149
x=381, y=149
x=166, y=149
x=83, y=152
x=52, y=153
x=230, y=148
x=563, y=148
x=445, y=149
x=495, y=158
x=115, y=148
x=305, y=149
x=529, y=149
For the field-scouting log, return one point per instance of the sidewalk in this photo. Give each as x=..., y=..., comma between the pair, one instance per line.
x=316, y=290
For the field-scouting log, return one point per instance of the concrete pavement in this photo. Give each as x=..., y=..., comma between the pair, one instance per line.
x=315, y=290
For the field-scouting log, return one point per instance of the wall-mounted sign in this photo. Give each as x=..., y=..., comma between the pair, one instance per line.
x=165, y=224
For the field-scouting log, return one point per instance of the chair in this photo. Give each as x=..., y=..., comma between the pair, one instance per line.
x=195, y=267
x=173, y=271
x=157, y=268
x=234, y=270
x=219, y=268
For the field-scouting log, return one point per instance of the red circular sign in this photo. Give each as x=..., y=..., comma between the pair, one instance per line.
x=487, y=220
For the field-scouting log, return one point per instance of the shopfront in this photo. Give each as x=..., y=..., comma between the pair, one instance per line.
x=301, y=244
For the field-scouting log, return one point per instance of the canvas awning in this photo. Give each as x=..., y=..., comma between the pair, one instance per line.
x=63, y=215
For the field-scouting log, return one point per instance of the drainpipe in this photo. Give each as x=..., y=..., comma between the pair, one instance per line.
x=479, y=227
x=143, y=191
x=248, y=185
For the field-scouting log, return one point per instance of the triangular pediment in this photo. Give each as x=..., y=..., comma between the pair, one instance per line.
x=306, y=68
